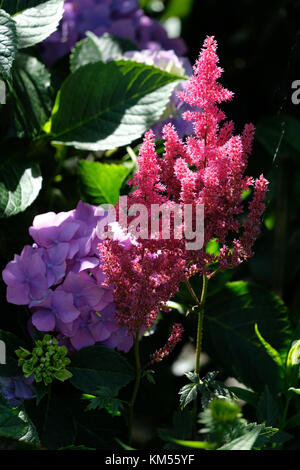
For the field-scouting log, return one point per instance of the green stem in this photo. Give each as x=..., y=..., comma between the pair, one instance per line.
x=200, y=323
x=200, y=310
x=136, y=385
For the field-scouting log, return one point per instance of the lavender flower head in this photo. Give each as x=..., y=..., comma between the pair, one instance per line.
x=60, y=280
x=122, y=18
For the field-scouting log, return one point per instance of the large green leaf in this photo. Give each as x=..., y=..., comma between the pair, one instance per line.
x=37, y=23
x=101, y=183
x=102, y=106
x=97, y=366
x=230, y=337
x=93, y=49
x=14, y=6
x=8, y=44
x=31, y=95
x=245, y=442
x=20, y=184
x=53, y=420
x=10, y=424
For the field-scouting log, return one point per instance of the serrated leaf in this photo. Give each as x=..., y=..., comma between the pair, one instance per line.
x=37, y=23
x=188, y=393
x=103, y=106
x=31, y=95
x=192, y=376
x=8, y=44
x=245, y=442
x=97, y=366
x=93, y=49
x=229, y=336
x=20, y=184
x=101, y=183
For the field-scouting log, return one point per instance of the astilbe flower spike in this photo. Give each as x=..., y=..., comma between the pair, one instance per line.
x=207, y=168
x=174, y=338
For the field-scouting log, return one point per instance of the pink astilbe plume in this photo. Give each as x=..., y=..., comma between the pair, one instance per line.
x=163, y=352
x=207, y=168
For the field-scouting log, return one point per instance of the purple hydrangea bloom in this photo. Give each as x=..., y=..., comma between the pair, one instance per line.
x=59, y=305
x=25, y=277
x=122, y=18
x=16, y=389
x=170, y=62
x=60, y=280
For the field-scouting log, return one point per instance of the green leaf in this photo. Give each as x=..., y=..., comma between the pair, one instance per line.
x=268, y=409
x=31, y=95
x=12, y=342
x=10, y=424
x=20, y=184
x=294, y=421
x=8, y=44
x=53, y=419
x=229, y=336
x=292, y=364
x=178, y=8
x=101, y=183
x=93, y=49
x=37, y=23
x=269, y=349
x=62, y=375
x=246, y=395
x=188, y=393
x=245, y=442
x=195, y=444
x=97, y=366
x=103, y=106
x=14, y=6
x=294, y=390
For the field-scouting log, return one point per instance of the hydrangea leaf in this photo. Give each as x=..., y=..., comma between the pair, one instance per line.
x=103, y=106
x=8, y=44
x=10, y=424
x=37, y=23
x=31, y=95
x=20, y=184
x=97, y=366
x=101, y=183
x=14, y=6
x=93, y=49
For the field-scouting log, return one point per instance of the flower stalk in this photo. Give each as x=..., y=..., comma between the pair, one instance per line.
x=136, y=385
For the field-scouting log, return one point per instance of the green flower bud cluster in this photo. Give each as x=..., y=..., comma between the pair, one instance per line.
x=47, y=361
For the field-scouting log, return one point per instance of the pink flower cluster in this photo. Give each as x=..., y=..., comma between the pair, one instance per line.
x=174, y=338
x=59, y=279
x=207, y=168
